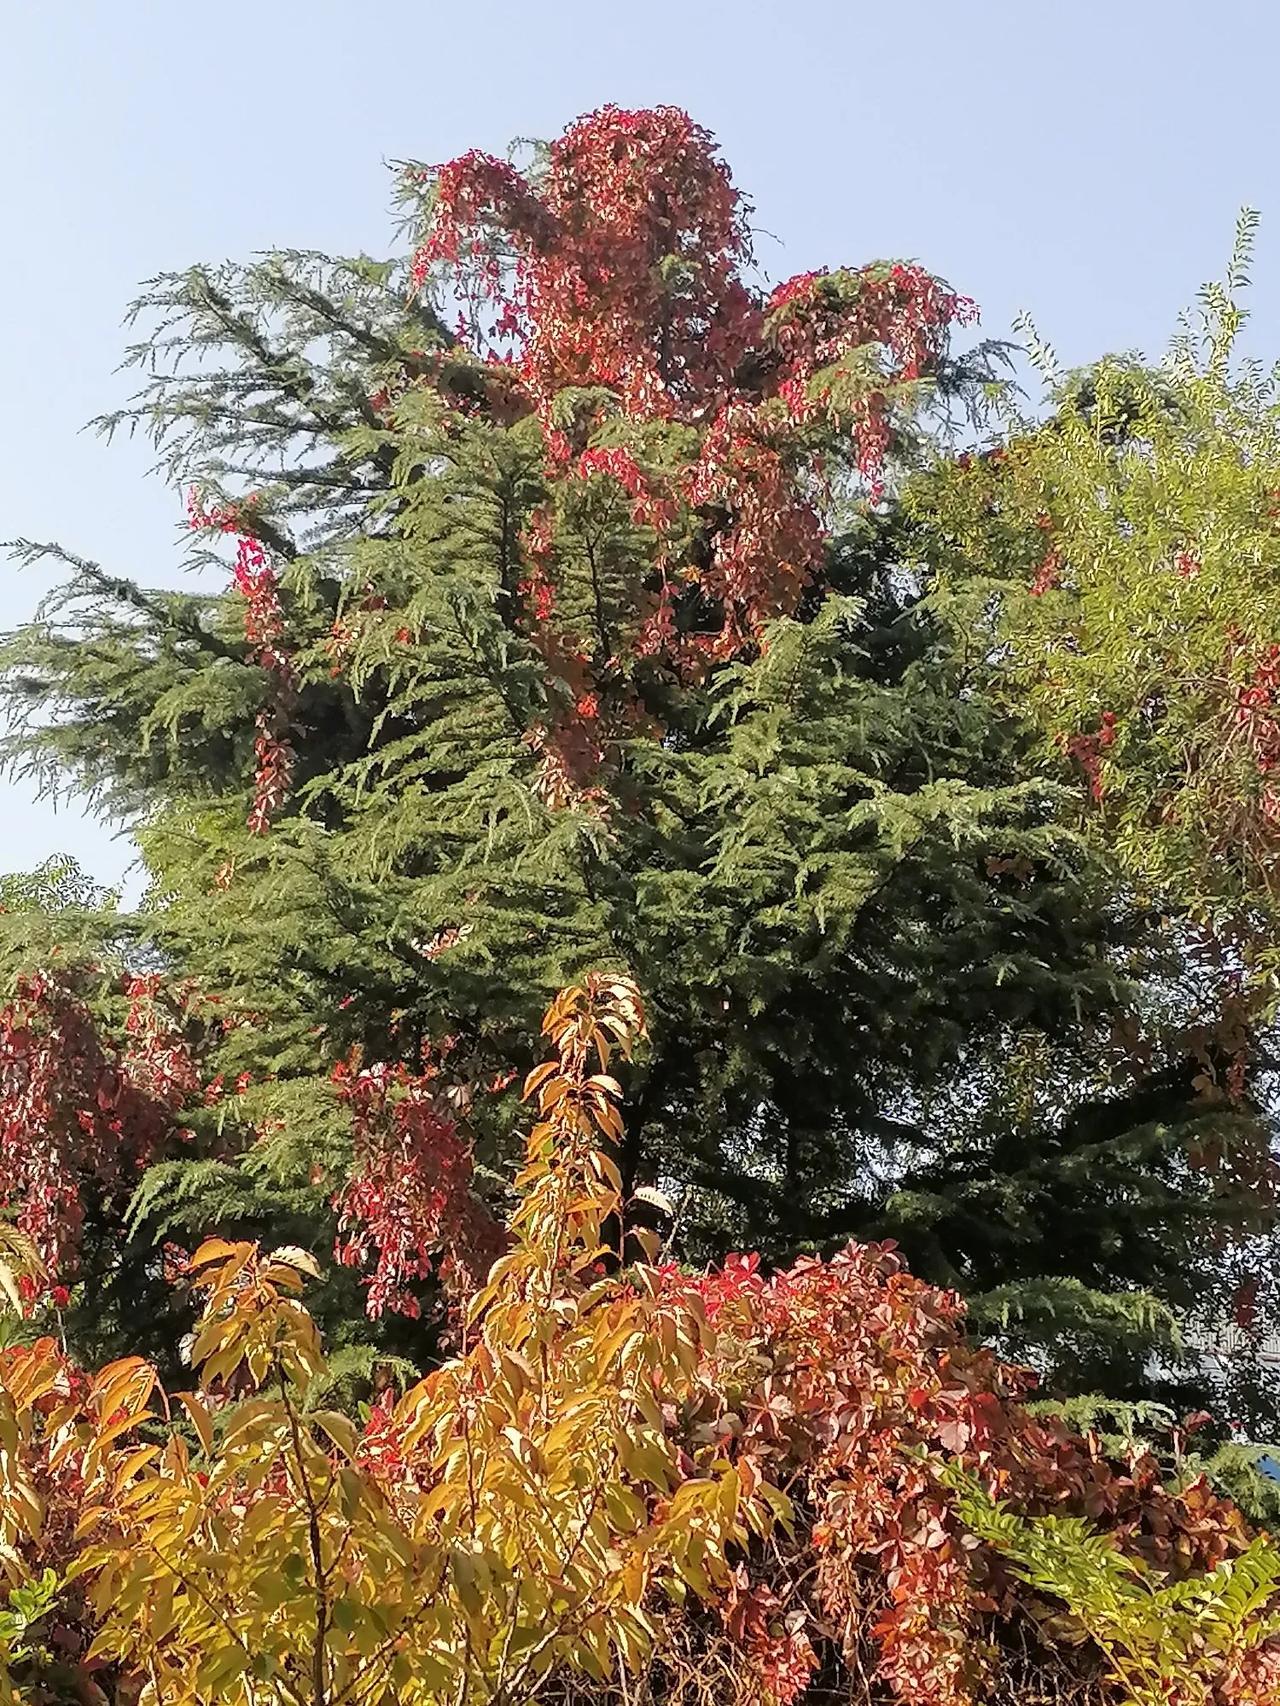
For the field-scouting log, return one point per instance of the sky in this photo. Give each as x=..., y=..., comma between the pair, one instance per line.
x=1083, y=162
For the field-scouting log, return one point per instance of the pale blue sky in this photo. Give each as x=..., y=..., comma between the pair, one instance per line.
x=1084, y=161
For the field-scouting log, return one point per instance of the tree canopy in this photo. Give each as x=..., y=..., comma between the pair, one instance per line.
x=593, y=606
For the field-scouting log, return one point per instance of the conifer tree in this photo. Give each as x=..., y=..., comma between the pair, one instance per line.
x=573, y=625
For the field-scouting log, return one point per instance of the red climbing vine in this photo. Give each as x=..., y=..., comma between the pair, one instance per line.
x=266, y=634
x=610, y=288
x=80, y=1114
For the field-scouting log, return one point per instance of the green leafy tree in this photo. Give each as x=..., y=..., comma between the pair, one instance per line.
x=1117, y=554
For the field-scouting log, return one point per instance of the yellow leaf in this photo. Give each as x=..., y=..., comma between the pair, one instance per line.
x=216, y=1250
x=296, y=1257
x=132, y=1463
x=538, y=1076
x=124, y=1385
x=340, y=1430
x=201, y=1420
x=464, y=1570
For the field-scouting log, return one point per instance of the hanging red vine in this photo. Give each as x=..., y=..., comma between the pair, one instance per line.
x=264, y=629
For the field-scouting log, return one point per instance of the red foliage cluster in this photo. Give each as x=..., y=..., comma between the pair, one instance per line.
x=851, y=1383
x=621, y=464
x=620, y=265
x=819, y=320
x=409, y=1200
x=158, y=1057
x=1257, y=724
x=621, y=268
x=773, y=1638
x=1048, y=575
x=1252, y=1678
x=572, y=752
x=1086, y=750
x=264, y=629
x=768, y=536
x=77, y=1113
